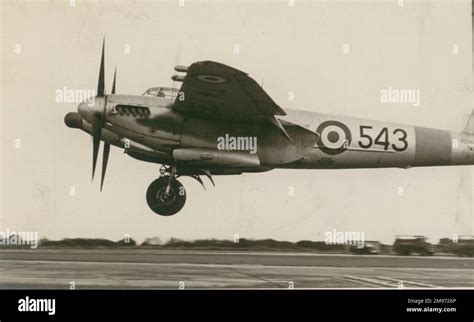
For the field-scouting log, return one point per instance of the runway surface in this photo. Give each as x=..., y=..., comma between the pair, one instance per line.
x=134, y=269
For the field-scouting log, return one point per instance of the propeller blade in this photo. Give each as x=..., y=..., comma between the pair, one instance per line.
x=101, y=85
x=105, y=159
x=96, y=135
x=115, y=77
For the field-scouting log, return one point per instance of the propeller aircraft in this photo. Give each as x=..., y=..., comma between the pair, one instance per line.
x=221, y=122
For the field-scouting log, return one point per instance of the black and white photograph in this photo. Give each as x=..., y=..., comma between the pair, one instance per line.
x=164, y=148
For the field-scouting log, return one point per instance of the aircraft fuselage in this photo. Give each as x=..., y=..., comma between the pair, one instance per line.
x=148, y=129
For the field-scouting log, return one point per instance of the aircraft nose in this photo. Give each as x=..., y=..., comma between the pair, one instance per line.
x=89, y=108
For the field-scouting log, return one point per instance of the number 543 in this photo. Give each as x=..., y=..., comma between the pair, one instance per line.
x=398, y=137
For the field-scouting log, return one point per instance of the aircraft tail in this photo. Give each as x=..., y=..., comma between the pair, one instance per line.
x=469, y=129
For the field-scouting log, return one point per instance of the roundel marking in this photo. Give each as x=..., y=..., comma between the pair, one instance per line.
x=211, y=79
x=333, y=137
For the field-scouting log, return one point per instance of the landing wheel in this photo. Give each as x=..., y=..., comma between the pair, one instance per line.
x=164, y=200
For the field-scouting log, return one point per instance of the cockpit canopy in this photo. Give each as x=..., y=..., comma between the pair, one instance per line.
x=166, y=92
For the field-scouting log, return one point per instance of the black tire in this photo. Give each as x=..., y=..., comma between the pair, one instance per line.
x=165, y=205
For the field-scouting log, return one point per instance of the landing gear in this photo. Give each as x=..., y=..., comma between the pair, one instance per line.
x=166, y=195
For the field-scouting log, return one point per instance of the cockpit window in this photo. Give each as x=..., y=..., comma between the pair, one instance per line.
x=151, y=92
x=166, y=92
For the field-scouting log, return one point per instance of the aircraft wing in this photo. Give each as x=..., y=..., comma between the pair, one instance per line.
x=215, y=90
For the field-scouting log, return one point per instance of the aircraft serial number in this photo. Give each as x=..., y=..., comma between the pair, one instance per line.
x=398, y=137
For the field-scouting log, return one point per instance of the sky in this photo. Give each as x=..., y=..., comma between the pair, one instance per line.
x=46, y=167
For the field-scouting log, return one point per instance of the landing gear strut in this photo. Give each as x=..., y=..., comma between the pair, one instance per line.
x=166, y=195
